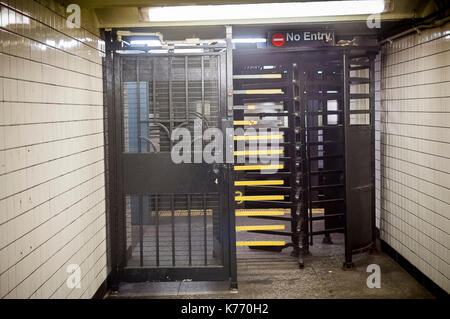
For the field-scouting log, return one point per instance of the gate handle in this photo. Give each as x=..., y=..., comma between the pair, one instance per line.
x=216, y=172
x=363, y=188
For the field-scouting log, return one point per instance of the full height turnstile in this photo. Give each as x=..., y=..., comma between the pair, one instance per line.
x=266, y=109
x=322, y=103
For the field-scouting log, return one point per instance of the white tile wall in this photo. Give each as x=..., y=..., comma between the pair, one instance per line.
x=413, y=150
x=52, y=192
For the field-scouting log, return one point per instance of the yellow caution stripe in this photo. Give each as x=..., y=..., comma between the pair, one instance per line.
x=259, y=197
x=257, y=76
x=261, y=212
x=257, y=167
x=258, y=152
x=260, y=227
x=258, y=137
x=260, y=243
x=261, y=91
x=251, y=122
x=254, y=122
x=259, y=183
x=253, y=106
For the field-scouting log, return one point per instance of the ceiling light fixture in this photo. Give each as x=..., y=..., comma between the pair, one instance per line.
x=264, y=10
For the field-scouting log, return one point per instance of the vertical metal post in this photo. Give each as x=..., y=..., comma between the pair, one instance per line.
x=186, y=83
x=202, y=67
x=141, y=233
x=157, y=228
x=305, y=227
x=111, y=180
x=205, y=230
x=171, y=124
x=154, y=87
x=138, y=106
x=231, y=203
x=293, y=158
x=172, y=208
x=308, y=139
x=189, y=228
x=346, y=100
x=118, y=153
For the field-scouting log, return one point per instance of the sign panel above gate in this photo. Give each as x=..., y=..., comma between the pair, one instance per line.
x=308, y=38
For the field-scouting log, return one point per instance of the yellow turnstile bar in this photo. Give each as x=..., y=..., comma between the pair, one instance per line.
x=259, y=183
x=260, y=91
x=257, y=167
x=260, y=243
x=260, y=227
x=258, y=152
x=259, y=197
x=258, y=137
x=252, y=122
x=260, y=106
x=262, y=212
x=257, y=76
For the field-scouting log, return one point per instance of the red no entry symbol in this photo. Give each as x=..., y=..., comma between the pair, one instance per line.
x=278, y=39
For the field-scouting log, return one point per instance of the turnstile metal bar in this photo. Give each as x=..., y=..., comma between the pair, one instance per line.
x=258, y=152
x=255, y=91
x=260, y=243
x=258, y=137
x=260, y=227
x=261, y=212
x=259, y=183
x=257, y=76
x=258, y=167
x=259, y=198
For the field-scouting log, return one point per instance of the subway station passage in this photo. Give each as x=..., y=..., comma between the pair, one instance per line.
x=224, y=149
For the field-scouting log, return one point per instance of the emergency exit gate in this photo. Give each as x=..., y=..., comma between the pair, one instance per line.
x=172, y=221
x=177, y=221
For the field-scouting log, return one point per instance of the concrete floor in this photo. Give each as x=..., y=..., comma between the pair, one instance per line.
x=276, y=275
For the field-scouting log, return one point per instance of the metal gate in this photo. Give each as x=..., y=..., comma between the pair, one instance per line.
x=174, y=222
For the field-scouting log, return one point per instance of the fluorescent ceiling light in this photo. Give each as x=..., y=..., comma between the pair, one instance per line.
x=249, y=40
x=156, y=51
x=187, y=50
x=150, y=43
x=264, y=10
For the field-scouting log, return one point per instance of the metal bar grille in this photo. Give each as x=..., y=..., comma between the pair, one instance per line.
x=167, y=93
x=160, y=94
x=174, y=230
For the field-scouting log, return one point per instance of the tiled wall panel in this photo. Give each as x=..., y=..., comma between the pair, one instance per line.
x=413, y=150
x=52, y=185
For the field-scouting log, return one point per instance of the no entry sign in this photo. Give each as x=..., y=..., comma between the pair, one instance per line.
x=301, y=38
x=278, y=39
